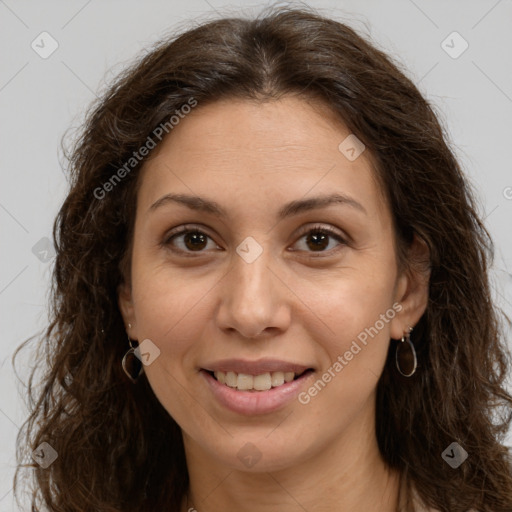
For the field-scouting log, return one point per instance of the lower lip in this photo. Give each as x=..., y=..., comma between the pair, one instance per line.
x=256, y=402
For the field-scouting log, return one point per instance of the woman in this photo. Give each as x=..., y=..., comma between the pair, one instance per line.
x=271, y=290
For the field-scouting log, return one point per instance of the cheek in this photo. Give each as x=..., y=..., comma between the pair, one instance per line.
x=168, y=311
x=350, y=319
x=347, y=304
x=355, y=347
x=169, y=305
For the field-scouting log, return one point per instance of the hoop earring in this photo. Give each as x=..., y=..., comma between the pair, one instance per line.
x=132, y=365
x=405, y=356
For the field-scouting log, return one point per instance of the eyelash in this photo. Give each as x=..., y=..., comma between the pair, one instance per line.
x=315, y=229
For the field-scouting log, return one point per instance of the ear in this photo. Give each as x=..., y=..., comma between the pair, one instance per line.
x=125, y=302
x=412, y=288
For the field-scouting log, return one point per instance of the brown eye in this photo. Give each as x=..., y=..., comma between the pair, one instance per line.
x=318, y=239
x=195, y=240
x=188, y=240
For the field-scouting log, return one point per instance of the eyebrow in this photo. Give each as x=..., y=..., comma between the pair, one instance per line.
x=292, y=208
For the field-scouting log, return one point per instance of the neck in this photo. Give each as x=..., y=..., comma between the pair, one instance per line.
x=348, y=474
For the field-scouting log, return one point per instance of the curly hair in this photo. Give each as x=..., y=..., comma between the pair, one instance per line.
x=118, y=448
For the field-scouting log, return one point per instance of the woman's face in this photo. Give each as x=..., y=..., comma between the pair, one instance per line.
x=258, y=290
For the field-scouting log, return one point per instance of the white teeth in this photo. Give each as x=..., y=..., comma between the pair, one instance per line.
x=262, y=382
x=277, y=379
x=245, y=382
x=288, y=376
x=231, y=379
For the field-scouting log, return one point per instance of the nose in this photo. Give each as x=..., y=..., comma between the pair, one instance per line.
x=254, y=298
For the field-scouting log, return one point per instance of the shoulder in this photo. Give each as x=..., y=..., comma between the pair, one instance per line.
x=419, y=506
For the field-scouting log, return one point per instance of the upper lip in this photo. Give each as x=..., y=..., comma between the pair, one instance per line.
x=255, y=367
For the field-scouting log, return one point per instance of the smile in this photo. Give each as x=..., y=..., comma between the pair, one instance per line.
x=262, y=382
x=247, y=399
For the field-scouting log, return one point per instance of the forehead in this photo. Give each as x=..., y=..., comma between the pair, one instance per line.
x=245, y=152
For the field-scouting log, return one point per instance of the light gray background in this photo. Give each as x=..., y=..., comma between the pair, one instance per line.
x=41, y=98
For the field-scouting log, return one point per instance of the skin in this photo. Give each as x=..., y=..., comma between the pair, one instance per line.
x=252, y=158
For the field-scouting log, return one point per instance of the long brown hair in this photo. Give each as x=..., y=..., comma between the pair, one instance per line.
x=118, y=449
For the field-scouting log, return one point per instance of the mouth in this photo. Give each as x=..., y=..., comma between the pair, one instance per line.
x=257, y=383
x=264, y=393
